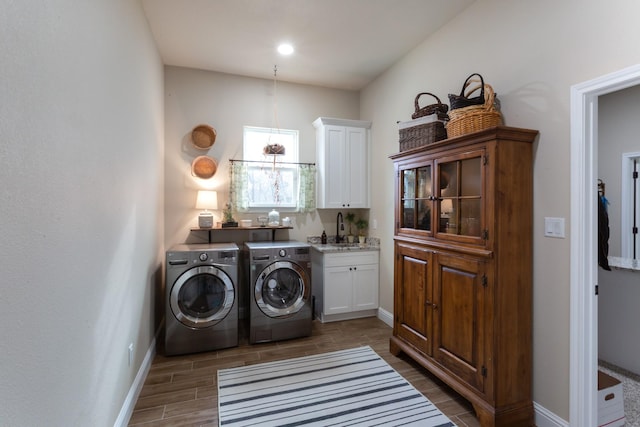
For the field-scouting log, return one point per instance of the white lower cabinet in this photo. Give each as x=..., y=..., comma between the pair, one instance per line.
x=345, y=284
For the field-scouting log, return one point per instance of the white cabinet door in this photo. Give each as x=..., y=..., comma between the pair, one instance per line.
x=338, y=295
x=365, y=287
x=343, y=158
x=357, y=169
x=335, y=177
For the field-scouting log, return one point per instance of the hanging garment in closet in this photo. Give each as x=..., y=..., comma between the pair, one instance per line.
x=603, y=233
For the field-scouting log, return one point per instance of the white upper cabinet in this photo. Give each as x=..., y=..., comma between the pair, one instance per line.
x=343, y=156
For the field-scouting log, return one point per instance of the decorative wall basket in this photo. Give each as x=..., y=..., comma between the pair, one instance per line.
x=203, y=137
x=204, y=167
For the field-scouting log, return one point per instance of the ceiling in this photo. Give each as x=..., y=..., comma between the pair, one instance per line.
x=342, y=44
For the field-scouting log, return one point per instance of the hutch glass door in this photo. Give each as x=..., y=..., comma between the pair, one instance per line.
x=417, y=198
x=461, y=204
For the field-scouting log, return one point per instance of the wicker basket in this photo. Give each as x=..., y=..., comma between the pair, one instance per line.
x=203, y=137
x=438, y=108
x=474, y=118
x=421, y=134
x=204, y=167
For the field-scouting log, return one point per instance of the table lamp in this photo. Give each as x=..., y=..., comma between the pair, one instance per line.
x=206, y=200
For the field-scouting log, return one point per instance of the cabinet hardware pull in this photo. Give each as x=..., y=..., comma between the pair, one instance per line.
x=429, y=303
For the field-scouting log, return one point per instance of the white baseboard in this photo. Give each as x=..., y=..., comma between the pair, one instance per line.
x=542, y=417
x=136, y=387
x=385, y=316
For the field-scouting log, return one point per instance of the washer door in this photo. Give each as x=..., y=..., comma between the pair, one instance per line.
x=202, y=297
x=282, y=289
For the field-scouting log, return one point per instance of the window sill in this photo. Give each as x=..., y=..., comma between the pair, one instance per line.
x=624, y=264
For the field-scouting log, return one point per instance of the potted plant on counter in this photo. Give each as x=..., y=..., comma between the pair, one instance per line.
x=228, y=217
x=350, y=217
x=362, y=225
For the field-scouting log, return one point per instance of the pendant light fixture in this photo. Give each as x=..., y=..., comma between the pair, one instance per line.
x=274, y=149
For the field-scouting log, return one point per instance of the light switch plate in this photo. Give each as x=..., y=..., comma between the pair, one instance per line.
x=554, y=227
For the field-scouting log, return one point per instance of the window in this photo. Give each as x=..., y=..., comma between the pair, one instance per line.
x=630, y=205
x=272, y=178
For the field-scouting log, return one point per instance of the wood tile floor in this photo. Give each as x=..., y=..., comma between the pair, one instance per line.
x=182, y=391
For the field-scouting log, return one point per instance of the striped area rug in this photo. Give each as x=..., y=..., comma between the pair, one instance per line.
x=353, y=387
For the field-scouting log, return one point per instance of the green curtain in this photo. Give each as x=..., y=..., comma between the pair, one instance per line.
x=307, y=188
x=238, y=188
x=239, y=194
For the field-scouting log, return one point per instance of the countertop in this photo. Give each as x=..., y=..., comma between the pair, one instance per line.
x=342, y=247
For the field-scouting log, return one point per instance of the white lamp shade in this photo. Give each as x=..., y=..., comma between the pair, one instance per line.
x=207, y=199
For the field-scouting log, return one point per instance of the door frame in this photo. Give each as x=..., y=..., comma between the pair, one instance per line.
x=583, y=386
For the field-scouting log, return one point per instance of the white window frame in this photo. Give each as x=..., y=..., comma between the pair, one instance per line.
x=254, y=140
x=627, y=219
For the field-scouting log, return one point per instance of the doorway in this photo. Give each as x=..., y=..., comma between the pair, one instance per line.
x=583, y=391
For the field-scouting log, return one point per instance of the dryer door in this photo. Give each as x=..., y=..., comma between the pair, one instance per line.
x=282, y=289
x=202, y=297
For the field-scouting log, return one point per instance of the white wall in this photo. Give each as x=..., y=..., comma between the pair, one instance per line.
x=531, y=53
x=618, y=314
x=81, y=207
x=227, y=103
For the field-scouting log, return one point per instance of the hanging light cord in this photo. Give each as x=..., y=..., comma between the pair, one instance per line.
x=275, y=107
x=275, y=97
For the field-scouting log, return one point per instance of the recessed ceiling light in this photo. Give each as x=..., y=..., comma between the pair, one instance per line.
x=285, y=49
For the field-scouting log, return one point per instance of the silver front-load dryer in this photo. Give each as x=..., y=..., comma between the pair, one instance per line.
x=280, y=290
x=201, y=298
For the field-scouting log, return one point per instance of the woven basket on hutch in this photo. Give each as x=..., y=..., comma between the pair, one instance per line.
x=438, y=108
x=474, y=118
x=427, y=125
x=417, y=136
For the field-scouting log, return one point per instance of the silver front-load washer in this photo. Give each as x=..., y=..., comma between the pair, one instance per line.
x=201, y=298
x=280, y=290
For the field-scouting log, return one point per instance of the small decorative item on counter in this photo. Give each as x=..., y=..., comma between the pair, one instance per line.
x=274, y=218
x=350, y=217
x=263, y=220
x=228, y=217
x=245, y=223
x=323, y=238
x=362, y=225
x=286, y=221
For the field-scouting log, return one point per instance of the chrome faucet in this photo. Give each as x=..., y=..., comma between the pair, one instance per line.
x=339, y=227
